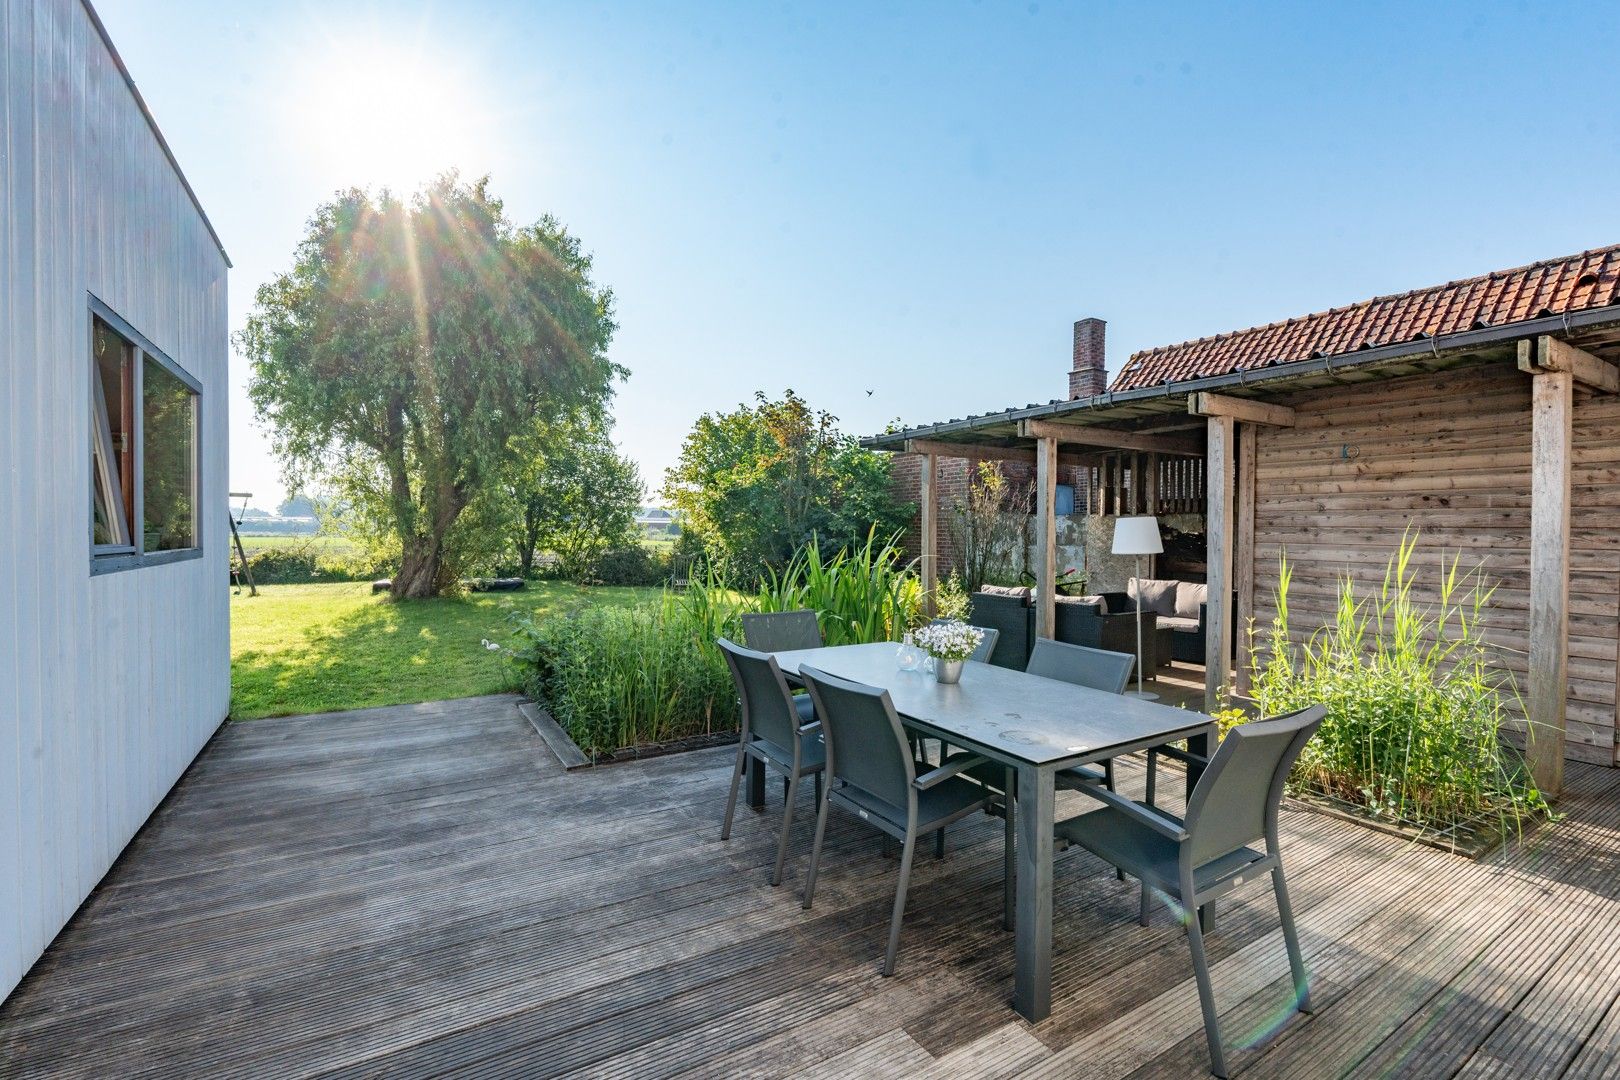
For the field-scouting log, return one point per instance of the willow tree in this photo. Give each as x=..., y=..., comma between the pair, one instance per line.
x=408, y=345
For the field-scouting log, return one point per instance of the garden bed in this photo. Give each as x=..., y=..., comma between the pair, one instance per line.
x=573, y=757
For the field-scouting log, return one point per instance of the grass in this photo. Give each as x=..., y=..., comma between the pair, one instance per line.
x=321, y=545
x=324, y=648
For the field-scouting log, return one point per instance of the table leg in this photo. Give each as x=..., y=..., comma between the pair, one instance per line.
x=1203, y=745
x=1032, y=979
x=756, y=783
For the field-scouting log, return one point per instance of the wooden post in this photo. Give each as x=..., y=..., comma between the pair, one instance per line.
x=1046, y=542
x=929, y=494
x=1244, y=554
x=1551, y=403
x=1218, y=534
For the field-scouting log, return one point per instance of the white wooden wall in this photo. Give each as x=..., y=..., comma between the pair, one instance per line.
x=109, y=685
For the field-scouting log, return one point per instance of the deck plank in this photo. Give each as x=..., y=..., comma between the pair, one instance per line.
x=424, y=889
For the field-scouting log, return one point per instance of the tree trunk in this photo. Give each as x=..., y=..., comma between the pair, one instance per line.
x=419, y=570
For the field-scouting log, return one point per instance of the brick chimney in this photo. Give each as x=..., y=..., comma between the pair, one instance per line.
x=1089, y=375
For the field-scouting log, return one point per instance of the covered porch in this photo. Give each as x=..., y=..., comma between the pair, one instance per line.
x=1491, y=441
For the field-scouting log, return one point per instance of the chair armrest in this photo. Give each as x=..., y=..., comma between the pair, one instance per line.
x=814, y=725
x=1159, y=822
x=951, y=768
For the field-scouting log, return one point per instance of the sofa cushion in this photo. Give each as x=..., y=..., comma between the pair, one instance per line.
x=1188, y=597
x=1178, y=622
x=1019, y=591
x=1095, y=602
x=1159, y=596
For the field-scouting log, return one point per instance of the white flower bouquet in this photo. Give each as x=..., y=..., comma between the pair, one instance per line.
x=949, y=642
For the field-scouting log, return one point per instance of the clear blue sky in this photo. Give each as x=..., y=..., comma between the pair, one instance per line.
x=914, y=200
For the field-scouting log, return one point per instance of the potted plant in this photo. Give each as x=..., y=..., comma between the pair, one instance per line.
x=950, y=644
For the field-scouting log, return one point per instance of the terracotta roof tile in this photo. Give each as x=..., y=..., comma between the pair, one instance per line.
x=1552, y=287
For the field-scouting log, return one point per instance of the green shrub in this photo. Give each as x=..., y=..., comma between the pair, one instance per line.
x=1416, y=701
x=632, y=564
x=301, y=562
x=626, y=677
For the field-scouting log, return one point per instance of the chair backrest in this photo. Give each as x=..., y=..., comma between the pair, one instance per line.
x=1235, y=802
x=779, y=631
x=767, y=702
x=987, y=644
x=1099, y=669
x=866, y=746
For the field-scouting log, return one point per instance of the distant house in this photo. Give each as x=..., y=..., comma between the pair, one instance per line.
x=115, y=666
x=1483, y=411
x=656, y=521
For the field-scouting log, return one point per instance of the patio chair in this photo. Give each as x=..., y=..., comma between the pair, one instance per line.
x=987, y=644
x=1098, y=669
x=778, y=730
x=870, y=773
x=1195, y=860
x=781, y=631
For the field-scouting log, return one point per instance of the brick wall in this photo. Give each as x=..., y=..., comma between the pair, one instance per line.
x=1089, y=375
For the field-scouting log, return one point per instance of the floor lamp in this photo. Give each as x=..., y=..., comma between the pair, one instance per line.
x=1138, y=536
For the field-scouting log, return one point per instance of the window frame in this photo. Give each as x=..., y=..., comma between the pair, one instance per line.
x=111, y=558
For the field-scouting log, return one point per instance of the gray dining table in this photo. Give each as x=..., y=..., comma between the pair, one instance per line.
x=1035, y=726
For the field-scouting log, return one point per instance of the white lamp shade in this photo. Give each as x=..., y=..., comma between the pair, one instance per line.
x=1137, y=536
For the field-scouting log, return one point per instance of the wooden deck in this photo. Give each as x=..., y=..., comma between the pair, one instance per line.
x=422, y=890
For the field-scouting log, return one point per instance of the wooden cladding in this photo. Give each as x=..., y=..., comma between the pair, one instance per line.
x=1449, y=454
x=1138, y=483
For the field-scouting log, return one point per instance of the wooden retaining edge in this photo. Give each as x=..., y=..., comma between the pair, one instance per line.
x=569, y=755
x=572, y=757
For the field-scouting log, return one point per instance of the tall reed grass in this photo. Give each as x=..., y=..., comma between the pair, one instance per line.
x=1417, y=700
x=864, y=594
x=626, y=677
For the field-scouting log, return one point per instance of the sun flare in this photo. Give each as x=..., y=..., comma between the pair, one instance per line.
x=377, y=113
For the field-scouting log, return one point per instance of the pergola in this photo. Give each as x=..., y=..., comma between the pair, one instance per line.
x=1215, y=419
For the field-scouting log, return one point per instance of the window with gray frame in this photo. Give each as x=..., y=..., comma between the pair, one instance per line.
x=144, y=413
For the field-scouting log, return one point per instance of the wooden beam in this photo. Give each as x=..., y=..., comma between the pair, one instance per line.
x=1551, y=406
x=1218, y=535
x=928, y=491
x=978, y=452
x=1250, y=412
x=1046, y=537
x=1075, y=435
x=1244, y=555
x=1546, y=353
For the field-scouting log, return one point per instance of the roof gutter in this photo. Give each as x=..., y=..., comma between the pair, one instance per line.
x=1459, y=342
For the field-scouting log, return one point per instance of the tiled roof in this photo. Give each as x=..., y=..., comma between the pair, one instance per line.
x=1553, y=287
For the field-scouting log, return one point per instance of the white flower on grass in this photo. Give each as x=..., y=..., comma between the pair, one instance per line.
x=948, y=641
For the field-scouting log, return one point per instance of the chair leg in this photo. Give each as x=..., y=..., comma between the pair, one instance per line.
x=1142, y=916
x=899, y=903
x=1009, y=869
x=1152, y=775
x=815, y=849
x=1206, y=998
x=818, y=788
x=787, y=828
x=939, y=843
x=786, y=787
x=736, y=779
x=1296, y=959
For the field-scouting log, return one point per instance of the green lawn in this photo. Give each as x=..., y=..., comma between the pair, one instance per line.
x=321, y=648
x=320, y=544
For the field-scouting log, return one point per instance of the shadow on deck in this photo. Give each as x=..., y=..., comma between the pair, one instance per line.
x=418, y=890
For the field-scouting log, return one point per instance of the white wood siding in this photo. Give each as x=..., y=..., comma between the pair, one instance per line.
x=109, y=685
